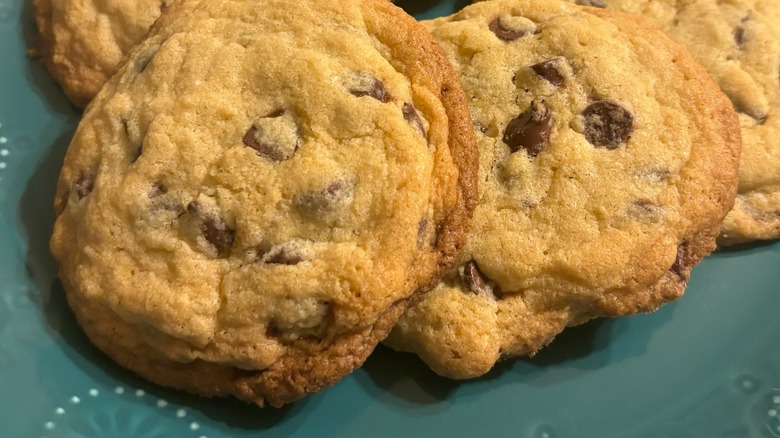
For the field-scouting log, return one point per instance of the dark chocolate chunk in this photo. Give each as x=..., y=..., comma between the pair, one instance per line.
x=739, y=36
x=530, y=130
x=681, y=262
x=607, y=124
x=645, y=211
x=476, y=281
x=593, y=3
x=157, y=189
x=504, y=34
x=84, y=185
x=337, y=194
x=214, y=229
x=550, y=70
x=366, y=85
x=739, y=32
x=281, y=255
x=411, y=116
x=273, y=136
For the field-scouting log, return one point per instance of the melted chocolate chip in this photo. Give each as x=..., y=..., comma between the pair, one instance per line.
x=366, y=85
x=337, y=194
x=282, y=256
x=411, y=116
x=84, y=185
x=478, y=284
x=157, y=189
x=550, y=70
x=645, y=211
x=593, y=3
x=214, y=229
x=681, y=262
x=274, y=136
x=530, y=130
x=739, y=36
x=739, y=33
x=607, y=124
x=503, y=33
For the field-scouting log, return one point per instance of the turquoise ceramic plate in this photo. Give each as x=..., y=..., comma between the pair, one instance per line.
x=705, y=366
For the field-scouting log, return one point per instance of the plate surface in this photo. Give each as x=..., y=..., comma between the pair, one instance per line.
x=705, y=366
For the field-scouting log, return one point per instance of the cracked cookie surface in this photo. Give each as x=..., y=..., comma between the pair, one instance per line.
x=83, y=42
x=738, y=42
x=608, y=159
x=248, y=205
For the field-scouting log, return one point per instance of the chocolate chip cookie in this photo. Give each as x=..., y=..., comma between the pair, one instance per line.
x=738, y=42
x=608, y=159
x=249, y=204
x=83, y=43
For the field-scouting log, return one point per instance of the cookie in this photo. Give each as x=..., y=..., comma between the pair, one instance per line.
x=250, y=203
x=82, y=44
x=608, y=159
x=738, y=42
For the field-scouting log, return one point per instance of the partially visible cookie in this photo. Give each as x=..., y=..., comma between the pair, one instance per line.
x=738, y=42
x=608, y=159
x=83, y=42
x=249, y=204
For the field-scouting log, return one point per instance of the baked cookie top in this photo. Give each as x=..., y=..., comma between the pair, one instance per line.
x=608, y=159
x=83, y=42
x=738, y=42
x=247, y=205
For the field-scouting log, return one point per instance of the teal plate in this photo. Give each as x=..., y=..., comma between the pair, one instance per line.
x=705, y=366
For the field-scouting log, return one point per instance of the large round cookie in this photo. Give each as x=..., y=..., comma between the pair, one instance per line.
x=248, y=205
x=608, y=159
x=738, y=42
x=83, y=42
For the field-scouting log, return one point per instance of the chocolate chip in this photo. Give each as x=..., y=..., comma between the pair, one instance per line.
x=411, y=116
x=739, y=36
x=645, y=211
x=157, y=189
x=366, y=85
x=335, y=195
x=274, y=136
x=530, y=130
x=550, y=70
x=739, y=33
x=593, y=3
x=508, y=28
x=681, y=262
x=84, y=185
x=607, y=124
x=214, y=229
x=476, y=281
x=280, y=255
